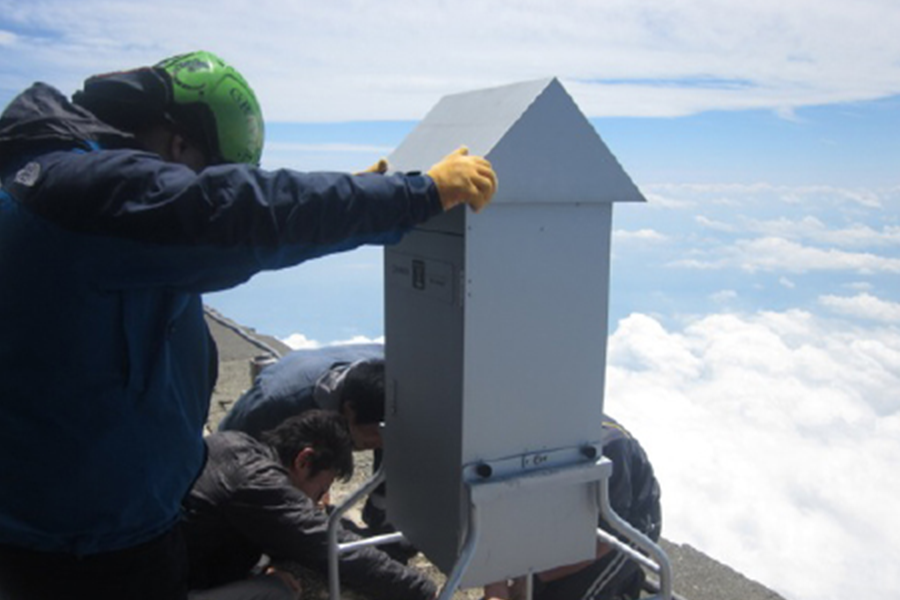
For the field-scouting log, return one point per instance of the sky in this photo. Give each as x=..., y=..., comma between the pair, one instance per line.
x=754, y=326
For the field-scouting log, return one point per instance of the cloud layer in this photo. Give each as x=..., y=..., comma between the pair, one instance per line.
x=344, y=60
x=776, y=437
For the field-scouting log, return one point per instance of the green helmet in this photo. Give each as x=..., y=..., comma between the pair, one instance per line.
x=204, y=85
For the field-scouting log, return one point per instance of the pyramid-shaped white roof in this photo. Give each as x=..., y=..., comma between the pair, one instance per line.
x=540, y=144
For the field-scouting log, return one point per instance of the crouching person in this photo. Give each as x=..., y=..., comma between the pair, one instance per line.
x=258, y=498
x=346, y=379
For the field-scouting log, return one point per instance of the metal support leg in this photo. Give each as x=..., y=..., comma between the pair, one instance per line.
x=334, y=521
x=658, y=561
x=482, y=492
x=465, y=556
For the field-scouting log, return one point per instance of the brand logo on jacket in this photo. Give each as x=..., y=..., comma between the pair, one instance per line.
x=28, y=175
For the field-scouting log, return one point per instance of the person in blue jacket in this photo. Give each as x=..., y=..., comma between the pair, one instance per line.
x=118, y=209
x=347, y=379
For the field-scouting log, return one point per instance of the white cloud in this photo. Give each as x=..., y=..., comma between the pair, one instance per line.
x=656, y=200
x=724, y=296
x=772, y=254
x=776, y=254
x=308, y=61
x=7, y=38
x=813, y=229
x=642, y=235
x=359, y=339
x=688, y=195
x=776, y=438
x=784, y=281
x=714, y=225
x=298, y=341
x=713, y=188
x=864, y=306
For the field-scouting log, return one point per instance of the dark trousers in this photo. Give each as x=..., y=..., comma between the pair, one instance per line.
x=156, y=570
x=261, y=587
x=612, y=577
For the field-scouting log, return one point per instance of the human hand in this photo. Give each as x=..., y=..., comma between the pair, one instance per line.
x=462, y=178
x=379, y=168
x=288, y=579
x=498, y=590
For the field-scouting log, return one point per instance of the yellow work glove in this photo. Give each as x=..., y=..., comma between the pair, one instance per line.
x=463, y=178
x=380, y=167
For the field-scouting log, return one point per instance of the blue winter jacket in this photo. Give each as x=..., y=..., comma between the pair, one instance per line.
x=106, y=364
x=298, y=382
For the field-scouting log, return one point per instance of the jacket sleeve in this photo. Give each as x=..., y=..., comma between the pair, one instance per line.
x=160, y=223
x=285, y=524
x=633, y=489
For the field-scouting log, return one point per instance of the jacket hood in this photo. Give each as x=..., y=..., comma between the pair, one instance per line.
x=41, y=117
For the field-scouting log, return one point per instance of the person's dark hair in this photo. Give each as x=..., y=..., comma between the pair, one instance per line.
x=363, y=389
x=325, y=432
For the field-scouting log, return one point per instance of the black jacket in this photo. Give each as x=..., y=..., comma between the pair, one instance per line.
x=634, y=492
x=244, y=506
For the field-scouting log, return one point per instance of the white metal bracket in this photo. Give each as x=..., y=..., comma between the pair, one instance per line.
x=483, y=490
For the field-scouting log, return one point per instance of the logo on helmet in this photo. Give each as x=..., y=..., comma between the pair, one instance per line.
x=190, y=66
x=241, y=100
